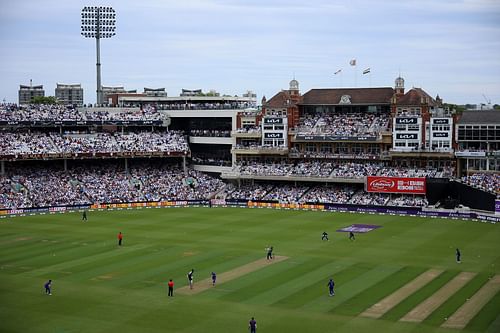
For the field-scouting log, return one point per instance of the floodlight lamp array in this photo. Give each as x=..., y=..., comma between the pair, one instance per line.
x=98, y=22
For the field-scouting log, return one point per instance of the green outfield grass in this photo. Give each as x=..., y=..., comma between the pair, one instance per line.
x=99, y=287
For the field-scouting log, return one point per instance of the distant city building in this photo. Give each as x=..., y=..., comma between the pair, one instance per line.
x=110, y=90
x=250, y=94
x=479, y=107
x=201, y=101
x=191, y=92
x=212, y=92
x=158, y=92
x=199, y=92
x=69, y=94
x=27, y=93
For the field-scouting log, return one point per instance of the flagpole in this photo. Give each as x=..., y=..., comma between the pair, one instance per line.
x=355, y=75
x=368, y=71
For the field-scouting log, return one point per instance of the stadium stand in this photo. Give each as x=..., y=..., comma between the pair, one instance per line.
x=27, y=184
x=354, y=124
x=485, y=181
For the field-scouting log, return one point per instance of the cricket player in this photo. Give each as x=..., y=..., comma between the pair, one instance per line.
x=48, y=286
x=269, y=253
x=171, y=288
x=84, y=215
x=458, y=256
x=324, y=236
x=331, y=285
x=252, y=325
x=190, y=277
x=120, y=239
x=214, y=278
x=351, y=236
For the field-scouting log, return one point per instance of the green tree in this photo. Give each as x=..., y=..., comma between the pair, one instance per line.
x=454, y=107
x=44, y=100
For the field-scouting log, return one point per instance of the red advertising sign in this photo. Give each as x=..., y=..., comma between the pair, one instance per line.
x=395, y=185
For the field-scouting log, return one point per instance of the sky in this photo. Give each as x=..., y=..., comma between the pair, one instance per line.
x=446, y=47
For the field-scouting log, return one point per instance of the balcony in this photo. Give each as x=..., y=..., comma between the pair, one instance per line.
x=260, y=150
x=251, y=134
x=422, y=152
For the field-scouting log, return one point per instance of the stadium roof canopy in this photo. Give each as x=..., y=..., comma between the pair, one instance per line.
x=280, y=100
x=480, y=117
x=416, y=96
x=357, y=96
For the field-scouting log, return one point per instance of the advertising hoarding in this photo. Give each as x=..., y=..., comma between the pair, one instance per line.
x=407, y=185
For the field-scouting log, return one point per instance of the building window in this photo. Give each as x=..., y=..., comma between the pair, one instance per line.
x=357, y=149
x=373, y=149
x=341, y=148
x=310, y=148
x=326, y=148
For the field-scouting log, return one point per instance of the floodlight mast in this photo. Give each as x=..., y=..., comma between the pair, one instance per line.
x=98, y=22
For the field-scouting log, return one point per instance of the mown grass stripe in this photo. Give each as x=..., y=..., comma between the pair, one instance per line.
x=36, y=258
x=487, y=316
x=350, y=288
x=158, y=271
x=312, y=291
x=11, y=243
x=225, y=292
x=368, y=297
x=430, y=304
x=272, y=279
x=468, y=310
x=297, y=283
x=419, y=295
x=226, y=262
x=180, y=267
x=84, y=263
x=32, y=250
x=235, y=273
x=60, y=255
x=385, y=305
x=495, y=325
x=437, y=317
x=125, y=273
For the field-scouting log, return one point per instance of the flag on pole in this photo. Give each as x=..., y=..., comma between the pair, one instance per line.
x=352, y=62
x=340, y=70
x=366, y=71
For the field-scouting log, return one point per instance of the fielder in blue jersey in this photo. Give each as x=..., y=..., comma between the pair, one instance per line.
x=331, y=285
x=214, y=278
x=48, y=286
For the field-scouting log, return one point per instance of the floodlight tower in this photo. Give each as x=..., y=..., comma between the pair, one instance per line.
x=98, y=22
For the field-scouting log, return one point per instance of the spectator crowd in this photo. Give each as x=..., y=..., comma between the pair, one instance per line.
x=52, y=143
x=329, y=169
x=108, y=183
x=46, y=112
x=344, y=124
x=335, y=193
x=486, y=181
